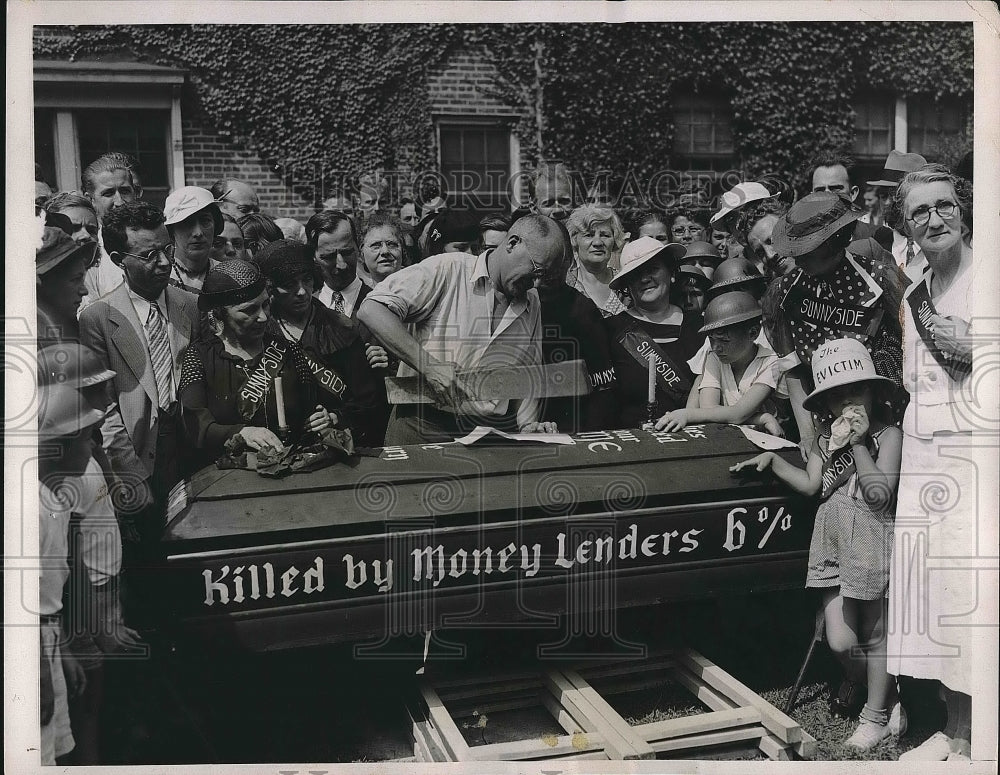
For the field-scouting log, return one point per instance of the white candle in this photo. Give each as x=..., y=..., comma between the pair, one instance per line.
x=279, y=401
x=651, y=385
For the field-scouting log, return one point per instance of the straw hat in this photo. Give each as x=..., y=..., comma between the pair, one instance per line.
x=812, y=221
x=188, y=200
x=640, y=252
x=840, y=362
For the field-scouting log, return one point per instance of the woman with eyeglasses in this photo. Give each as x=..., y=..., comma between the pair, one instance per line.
x=598, y=239
x=939, y=452
x=382, y=245
x=330, y=338
x=685, y=228
x=229, y=243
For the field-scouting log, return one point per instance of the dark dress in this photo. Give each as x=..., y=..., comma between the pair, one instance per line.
x=678, y=342
x=573, y=329
x=211, y=379
x=339, y=343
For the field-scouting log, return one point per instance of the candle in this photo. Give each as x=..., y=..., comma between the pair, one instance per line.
x=279, y=400
x=651, y=385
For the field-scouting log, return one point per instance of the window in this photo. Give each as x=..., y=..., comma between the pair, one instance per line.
x=703, y=133
x=933, y=126
x=875, y=115
x=45, y=148
x=476, y=164
x=142, y=134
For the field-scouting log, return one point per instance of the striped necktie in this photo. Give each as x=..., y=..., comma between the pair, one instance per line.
x=338, y=302
x=910, y=252
x=159, y=354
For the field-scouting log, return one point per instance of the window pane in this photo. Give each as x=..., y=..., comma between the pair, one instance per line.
x=45, y=151
x=100, y=131
x=874, y=123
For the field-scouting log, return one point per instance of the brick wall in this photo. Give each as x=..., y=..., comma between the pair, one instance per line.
x=209, y=156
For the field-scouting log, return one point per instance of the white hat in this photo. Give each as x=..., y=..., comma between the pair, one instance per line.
x=642, y=250
x=188, y=200
x=840, y=362
x=739, y=195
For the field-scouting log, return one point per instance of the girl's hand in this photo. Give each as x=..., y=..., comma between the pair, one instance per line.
x=258, y=438
x=320, y=420
x=672, y=421
x=771, y=425
x=378, y=358
x=805, y=447
x=858, y=418
x=762, y=462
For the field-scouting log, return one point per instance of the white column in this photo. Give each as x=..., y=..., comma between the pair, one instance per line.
x=900, y=129
x=176, y=141
x=67, y=150
x=521, y=192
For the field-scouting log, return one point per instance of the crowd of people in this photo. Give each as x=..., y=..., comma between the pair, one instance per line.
x=167, y=336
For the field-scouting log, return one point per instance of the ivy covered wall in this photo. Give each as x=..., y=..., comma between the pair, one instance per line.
x=325, y=102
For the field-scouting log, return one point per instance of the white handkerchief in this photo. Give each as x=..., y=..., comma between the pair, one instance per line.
x=763, y=440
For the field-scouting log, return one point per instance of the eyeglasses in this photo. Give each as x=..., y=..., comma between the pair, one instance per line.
x=241, y=209
x=388, y=244
x=154, y=255
x=538, y=270
x=922, y=215
x=682, y=230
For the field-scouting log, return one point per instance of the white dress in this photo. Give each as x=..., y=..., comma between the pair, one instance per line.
x=939, y=583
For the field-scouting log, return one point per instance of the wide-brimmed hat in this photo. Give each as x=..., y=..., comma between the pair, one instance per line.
x=186, y=201
x=739, y=195
x=840, y=362
x=72, y=364
x=65, y=411
x=735, y=274
x=896, y=166
x=694, y=274
x=230, y=282
x=728, y=309
x=284, y=259
x=57, y=246
x=812, y=221
x=641, y=251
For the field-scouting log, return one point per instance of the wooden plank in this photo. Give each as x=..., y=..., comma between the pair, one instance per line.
x=440, y=720
x=783, y=727
x=691, y=725
x=652, y=665
x=568, y=378
x=539, y=748
x=425, y=746
x=709, y=739
x=774, y=749
x=703, y=691
x=610, y=715
x=616, y=745
x=451, y=693
x=562, y=716
x=807, y=747
x=515, y=702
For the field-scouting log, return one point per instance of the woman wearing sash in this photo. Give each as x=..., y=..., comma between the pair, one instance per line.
x=832, y=293
x=351, y=372
x=227, y=385
x=651, y=327
x=597, y=237
x=938, y=513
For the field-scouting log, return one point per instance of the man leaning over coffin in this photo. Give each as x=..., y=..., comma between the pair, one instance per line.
x=457, y=313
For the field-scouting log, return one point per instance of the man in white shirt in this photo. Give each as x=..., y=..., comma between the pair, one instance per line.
x=335, y=243
x=465, y=312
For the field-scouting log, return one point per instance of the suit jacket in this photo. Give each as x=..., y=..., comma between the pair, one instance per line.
x=881, y=234
x=112, y=329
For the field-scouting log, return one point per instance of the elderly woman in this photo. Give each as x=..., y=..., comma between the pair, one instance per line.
x=227, y=385
x=350, y=371
x=653, y=325
x=598, y=238
x=382, y=246
x=939, y=453
x=831, y=294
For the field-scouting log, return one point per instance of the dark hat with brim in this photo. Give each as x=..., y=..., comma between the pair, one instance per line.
x=57, y=247
x=694, y=274
x=229, y=283
x=812, y=221
x=735, y=274
x=728, y=309
x=284, y=259
x=896, y=166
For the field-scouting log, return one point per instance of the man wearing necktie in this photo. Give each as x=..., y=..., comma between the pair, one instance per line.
x=335, y=244
x=140, y=330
